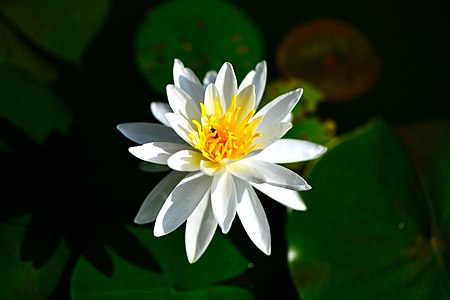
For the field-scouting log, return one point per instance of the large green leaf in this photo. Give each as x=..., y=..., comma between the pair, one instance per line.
x=370, y=232
x=63, y=28
x=202, y=33
x=30, y=105
x=21, y=278
x=157, y=268
x=15, y=51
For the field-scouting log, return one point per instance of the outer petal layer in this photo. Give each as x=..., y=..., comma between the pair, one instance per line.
x=252, y=216
x=277, y=110
x=223, y=198
x=142, y=133
x=157, y=152
x=155, y=200
x=200, y=228
x=286, y=197
x=289, y=151
x=258, y=171
x=181, y=203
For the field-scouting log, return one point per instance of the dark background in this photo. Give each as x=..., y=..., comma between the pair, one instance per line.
x=86, y=181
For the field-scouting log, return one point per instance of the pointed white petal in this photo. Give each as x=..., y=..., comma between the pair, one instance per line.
x=210, y=77
x=223, y=198
x=289, y=151
x=258, y=78
x=181, y=103
x=157, y=152
x=272, y=133
x=185, y=161
x=142, y=133
x=258, y=171
x=181, y=126
x=155, y=200
x=185, y=79
x=246, y=101
x=248, y=80
x=226, y=84
x=211, y=96
x=252, y=216
x=286, y=197
x=200, y=228
x=276, y=110
x=181, y=203
x=159, y=110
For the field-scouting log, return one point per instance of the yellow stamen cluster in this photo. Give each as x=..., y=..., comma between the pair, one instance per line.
x=225, y=135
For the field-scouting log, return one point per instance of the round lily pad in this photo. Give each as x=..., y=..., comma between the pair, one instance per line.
x=371, y=231
x=202, y=33
x=332, y=55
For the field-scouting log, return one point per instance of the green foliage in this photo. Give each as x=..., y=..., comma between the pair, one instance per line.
x=202, y=33
x=372, y=230
x=157, y=268
x=30, y=105
x=21, y=278
x=64, y=28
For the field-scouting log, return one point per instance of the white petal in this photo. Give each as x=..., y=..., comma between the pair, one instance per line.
x=276, y=110
x=181, y=103
x=181, y=126
x=223, y=199
x=226, y=84
x=252, y=216
x=271, y=134
x=257, y=78
x=211, y=96
x=286, y=197
x=210, y=168
x=210, y=77
x=155, y=200
x=142, y=133
x=159, y=110
x=289, y=151
x=157, y=152
x=185, y=79
x=185, y=161
x=248, y=80
x=181, y=203
x=258, y=171
x=246, y=100
x=200, y=228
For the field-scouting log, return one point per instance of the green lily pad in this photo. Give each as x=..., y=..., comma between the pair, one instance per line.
x=63, y=28
x=370, y=232
x=19, y=278
x=172, y=278
x=30, y=105
x=202, y=33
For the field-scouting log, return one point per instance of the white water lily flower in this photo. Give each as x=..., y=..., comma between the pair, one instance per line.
x=219, y=149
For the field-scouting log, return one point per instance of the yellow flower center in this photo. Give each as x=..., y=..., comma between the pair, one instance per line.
x=228, y=135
